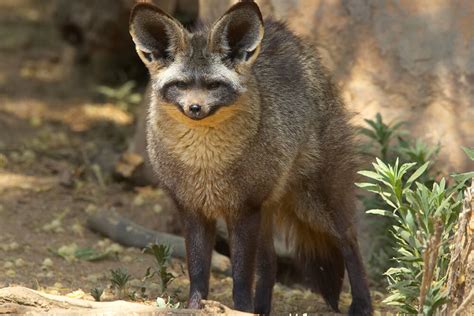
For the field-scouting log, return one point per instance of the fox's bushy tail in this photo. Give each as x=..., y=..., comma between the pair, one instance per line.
x=320, y=259
x=323, y=267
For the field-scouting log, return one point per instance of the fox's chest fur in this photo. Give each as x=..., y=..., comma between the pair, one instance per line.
x=206, y=151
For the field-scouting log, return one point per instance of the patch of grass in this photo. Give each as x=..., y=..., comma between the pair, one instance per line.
x=389, y=142
x=119, y=279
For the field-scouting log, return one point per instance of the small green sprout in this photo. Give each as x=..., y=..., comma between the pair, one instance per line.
x=97, y=293
x=119, y=280
x=162, y=255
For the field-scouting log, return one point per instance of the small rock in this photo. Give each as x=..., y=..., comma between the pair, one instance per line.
x=14, y=245
x=138, y=200
x=78, y=229
x=20, y=262
x=76, y=294
x=114, y=248
x=8, y=265
x=47, y=263
x=91, y=209
x=103, y=243
x=54, y=226
x=157, y=208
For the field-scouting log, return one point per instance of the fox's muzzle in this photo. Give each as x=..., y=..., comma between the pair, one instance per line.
x=196, y=111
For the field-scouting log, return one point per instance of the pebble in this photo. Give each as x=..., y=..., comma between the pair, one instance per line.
x=114, y=248
x=8, y=265
x=103, y=243
x=14, y=245
x=157, y=208
x=47, y=263
x=20, y=262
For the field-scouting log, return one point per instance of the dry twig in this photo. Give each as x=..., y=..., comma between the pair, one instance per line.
x=459, y=257
x=429, y=259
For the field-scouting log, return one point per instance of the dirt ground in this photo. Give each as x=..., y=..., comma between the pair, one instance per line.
x=58, y=144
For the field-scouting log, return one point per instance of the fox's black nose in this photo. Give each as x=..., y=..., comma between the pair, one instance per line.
x=195, y=109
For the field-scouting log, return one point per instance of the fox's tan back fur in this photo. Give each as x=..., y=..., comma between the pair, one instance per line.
x=279, y=142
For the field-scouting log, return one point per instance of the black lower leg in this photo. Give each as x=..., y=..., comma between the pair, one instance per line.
x=200, y=234
x=361, y=302
x=243, y=244
x=265, y=270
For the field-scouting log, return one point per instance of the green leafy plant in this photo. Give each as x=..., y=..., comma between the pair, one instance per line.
x=388, y=142
x=381, y=134
x=162, y=255
x=124, y=95
x=422, y=221
x=462, y=178
x=97, y=293
x=119, y=279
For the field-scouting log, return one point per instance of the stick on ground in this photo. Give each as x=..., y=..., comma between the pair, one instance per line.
x=130, y=234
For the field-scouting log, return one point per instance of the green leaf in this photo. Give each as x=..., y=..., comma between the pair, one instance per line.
x=461, y=179
x=381, y=212
x=370, y=174
x=469, y=152
x=90, y=254
x=418, y=173
x=367, y=132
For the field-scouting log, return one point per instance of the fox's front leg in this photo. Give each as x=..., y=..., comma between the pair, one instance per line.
x=199, y=235
x=243, y=233
x=265, y=269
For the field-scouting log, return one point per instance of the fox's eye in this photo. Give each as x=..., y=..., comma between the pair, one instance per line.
x=213, y=85
x=181, y=85
x=148, y=56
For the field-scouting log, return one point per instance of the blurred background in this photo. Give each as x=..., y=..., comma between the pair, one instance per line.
x=71, y=145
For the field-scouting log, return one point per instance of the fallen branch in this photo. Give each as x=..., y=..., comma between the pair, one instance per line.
x=21, y=300
x=130, y=234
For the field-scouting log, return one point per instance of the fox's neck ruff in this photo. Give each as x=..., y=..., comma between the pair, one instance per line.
x=210, y=144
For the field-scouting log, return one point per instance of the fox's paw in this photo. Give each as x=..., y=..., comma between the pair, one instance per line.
x=195, y=301
x=361, y=308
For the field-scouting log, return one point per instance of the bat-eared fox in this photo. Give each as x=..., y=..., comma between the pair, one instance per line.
x=244, y=124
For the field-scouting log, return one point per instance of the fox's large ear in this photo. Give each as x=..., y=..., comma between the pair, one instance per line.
x=238, y=33
x=157, y=36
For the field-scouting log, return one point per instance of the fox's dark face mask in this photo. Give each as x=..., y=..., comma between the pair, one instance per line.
x=201, y=72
